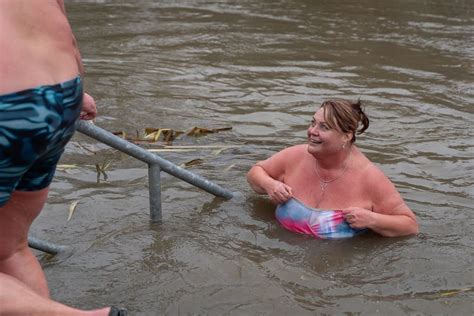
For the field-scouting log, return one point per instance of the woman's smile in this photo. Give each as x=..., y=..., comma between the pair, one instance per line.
x=314, y=141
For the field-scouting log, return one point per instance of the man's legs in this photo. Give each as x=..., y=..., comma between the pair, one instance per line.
x=23, y=287
x=18, y=299
x=16, y=258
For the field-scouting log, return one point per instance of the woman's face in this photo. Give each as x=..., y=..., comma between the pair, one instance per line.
x=322, y=138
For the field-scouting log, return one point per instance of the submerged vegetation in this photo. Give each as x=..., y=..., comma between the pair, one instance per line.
x=167, y=135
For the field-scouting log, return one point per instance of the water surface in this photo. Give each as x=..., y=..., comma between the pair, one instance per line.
x=262, y=68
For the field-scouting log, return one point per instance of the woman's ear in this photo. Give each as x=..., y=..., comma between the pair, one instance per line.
x=348, y=137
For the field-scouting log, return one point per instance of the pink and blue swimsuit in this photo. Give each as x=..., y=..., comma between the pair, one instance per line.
x=323, y=224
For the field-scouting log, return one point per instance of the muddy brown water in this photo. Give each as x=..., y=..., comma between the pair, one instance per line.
x=262, y=68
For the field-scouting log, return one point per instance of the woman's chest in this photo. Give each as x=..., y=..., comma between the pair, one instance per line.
x=342, y=192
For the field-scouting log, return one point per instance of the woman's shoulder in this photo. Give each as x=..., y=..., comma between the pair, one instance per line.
x=292, y=151
x=297, y=149
x=288, y=157
x=375, y=180
x=283, y=156
x=366, y=168
x=283, y=161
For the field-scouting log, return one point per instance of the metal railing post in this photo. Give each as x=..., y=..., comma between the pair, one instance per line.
x=154, y=187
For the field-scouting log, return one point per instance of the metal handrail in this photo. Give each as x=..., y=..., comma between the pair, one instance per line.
x=155, y=163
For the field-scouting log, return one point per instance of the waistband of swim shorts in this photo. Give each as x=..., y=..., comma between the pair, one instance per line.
x=63, y=86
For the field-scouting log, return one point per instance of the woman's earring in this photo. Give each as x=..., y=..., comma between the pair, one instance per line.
x=344, y=146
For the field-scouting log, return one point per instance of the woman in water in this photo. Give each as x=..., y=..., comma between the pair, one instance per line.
x=327, y=187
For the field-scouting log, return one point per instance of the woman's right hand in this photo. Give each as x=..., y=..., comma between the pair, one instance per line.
x=279, y=192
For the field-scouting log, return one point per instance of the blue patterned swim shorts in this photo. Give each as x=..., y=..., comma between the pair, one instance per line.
x=35, y=125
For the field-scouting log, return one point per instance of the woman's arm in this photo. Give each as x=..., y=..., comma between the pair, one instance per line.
x=401, y=222
x=263, y=183
x=267, y=177
x=390, y=216
x=257, y=177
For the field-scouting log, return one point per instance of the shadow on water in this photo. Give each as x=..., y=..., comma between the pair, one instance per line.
x=260, y=208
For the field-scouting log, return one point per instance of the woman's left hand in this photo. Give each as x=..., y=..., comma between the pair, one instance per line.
x=358, y=217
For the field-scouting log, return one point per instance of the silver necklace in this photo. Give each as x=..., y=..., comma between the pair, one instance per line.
x=324, y=183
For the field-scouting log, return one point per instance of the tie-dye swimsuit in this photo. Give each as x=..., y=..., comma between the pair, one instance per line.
x=322, y=224
x=35, y=125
